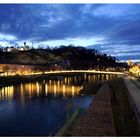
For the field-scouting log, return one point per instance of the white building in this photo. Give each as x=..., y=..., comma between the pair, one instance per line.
x=10, y=49
x=26, y=47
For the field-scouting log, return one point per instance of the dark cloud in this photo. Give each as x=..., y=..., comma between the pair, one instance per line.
x=43, y=22
x=46, y=22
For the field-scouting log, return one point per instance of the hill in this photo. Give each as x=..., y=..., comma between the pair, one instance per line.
x=78, y=57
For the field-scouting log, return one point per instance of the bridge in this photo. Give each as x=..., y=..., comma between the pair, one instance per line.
x=59, y=72
x=83, y=71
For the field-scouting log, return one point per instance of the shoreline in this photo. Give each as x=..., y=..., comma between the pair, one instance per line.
x=96, y=118
x=124, y=121
x=15, y=80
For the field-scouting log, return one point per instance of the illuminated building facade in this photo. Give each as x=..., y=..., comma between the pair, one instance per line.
x=130, y=63
x=13, y=69
x=135, y=70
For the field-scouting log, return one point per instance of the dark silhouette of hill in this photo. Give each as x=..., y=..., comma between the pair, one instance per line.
x=78, y=57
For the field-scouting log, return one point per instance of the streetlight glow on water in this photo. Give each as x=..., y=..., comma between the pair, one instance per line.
x=37, y=108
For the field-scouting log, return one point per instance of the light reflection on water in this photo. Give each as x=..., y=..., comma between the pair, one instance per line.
x=36, y=108
x=69, y=86
x=37, y=89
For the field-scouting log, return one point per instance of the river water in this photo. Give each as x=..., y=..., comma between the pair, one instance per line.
x=37, y=108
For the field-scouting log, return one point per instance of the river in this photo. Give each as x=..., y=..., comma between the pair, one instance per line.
x=37, y=108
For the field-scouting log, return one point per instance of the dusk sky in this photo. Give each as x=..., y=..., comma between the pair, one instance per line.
x=112, y=29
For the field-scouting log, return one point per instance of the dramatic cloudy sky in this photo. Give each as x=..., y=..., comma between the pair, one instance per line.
x=112, y=29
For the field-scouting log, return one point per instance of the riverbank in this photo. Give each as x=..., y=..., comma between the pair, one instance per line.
x=98, y=120
x=14, y=80
x=90, y=88
x=17, y=79
x=110, y=114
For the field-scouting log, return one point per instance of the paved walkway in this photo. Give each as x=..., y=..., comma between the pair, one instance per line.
x=98, y=120
x=134, y=93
